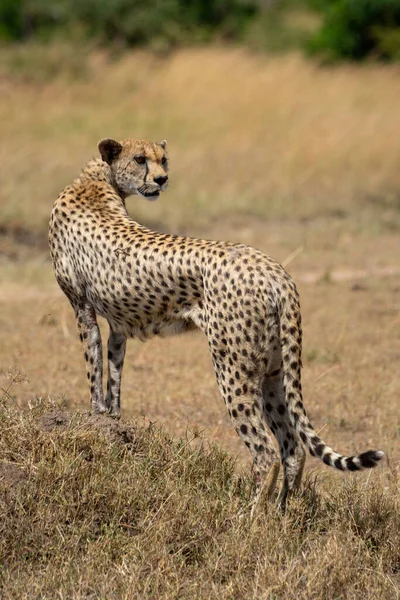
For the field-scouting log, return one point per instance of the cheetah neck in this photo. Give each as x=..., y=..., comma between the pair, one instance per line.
x=97, y=170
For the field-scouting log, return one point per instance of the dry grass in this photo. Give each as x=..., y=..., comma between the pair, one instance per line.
x=298, y=161
x=271, y=137
x=92, y=508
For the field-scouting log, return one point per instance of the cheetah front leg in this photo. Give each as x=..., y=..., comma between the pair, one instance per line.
x=90, y=337
x=116, y=355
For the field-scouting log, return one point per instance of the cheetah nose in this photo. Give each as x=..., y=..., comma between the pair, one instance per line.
x=161, y=180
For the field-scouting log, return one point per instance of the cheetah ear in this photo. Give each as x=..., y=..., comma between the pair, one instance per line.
x=109, y=150
x=163, y=144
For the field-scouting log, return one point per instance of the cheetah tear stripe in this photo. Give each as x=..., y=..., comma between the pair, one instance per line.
x=290, y=334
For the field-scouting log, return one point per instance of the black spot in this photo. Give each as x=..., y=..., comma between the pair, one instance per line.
x=319, y=449
x=243, y=429
x=351, y=465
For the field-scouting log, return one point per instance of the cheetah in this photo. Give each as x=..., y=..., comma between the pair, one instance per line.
x=146, y=283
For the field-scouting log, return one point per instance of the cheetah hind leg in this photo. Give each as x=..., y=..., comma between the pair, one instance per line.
x=245, y=406
x=290, y=447
x=265, y=488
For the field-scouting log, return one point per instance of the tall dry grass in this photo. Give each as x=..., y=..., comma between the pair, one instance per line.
x=93, y=508
x=250, y=134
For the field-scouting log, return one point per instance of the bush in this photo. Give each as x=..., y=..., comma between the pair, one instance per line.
x=357, y=29
x=284, y=24
x=351, y=29
x=126, y=22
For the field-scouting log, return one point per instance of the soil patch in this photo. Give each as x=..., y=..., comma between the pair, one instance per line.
x=11, y=475
x=55, y=420
x=117, y=430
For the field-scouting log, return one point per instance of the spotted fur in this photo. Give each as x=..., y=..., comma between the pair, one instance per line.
x=147, y=283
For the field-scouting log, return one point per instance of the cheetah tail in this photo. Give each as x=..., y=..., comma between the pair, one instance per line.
x=290, y=334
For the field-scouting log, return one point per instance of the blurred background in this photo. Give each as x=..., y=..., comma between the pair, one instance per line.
x=282, y=119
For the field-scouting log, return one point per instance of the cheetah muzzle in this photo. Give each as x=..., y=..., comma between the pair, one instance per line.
x=147, y=283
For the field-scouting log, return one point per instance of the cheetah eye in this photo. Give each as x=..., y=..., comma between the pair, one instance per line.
x=140, y=159
x=164, y=160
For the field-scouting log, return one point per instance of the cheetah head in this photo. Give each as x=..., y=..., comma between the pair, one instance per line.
x=137, y=167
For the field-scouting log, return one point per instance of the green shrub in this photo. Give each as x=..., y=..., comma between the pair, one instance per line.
x=351, y=29
x=24, y=19
x=126, y=22
x=284, y=25
x=357, y=29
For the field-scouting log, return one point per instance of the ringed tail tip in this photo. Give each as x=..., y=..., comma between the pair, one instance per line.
x=370, y=458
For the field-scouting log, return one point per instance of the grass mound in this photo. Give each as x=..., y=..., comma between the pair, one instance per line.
x=94, y=508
